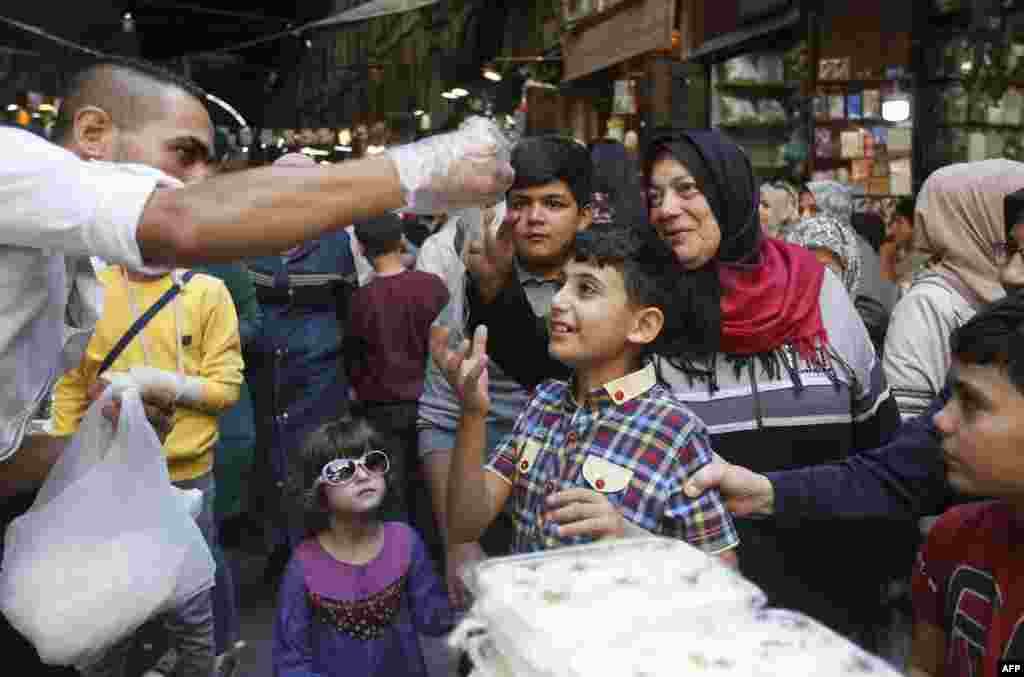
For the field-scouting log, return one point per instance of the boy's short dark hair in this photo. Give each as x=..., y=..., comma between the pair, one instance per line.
x=995, y=337
x=347, y=437
x=651, y=274
x=539, y=160
x=380, y=235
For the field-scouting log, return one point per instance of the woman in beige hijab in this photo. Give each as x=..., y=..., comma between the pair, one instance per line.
x=958, y=219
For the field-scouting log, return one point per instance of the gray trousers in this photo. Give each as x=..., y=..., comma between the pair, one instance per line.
x=190, y=627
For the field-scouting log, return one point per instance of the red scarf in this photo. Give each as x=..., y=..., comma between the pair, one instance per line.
x=774, y=302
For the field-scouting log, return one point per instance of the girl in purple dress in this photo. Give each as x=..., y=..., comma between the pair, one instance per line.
x=358, y=592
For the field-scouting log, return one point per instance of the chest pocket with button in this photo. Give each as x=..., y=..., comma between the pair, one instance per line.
x=527, y=456
x=604, y=476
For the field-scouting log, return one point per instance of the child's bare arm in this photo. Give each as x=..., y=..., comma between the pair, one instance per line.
x=475, y=495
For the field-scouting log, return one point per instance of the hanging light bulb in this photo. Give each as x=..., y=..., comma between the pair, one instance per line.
x=491, y=74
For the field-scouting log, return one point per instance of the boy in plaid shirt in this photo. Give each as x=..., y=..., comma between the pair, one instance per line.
x=608, y=454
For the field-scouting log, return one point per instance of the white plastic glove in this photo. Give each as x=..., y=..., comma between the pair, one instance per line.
x=466, y=168
x=185, y=390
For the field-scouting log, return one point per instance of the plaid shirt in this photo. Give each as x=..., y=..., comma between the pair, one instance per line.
x=632, y=441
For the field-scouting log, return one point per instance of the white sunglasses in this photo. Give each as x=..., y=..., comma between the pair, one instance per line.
x=341, y=471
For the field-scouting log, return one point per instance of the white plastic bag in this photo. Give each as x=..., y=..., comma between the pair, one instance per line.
x=108, y=543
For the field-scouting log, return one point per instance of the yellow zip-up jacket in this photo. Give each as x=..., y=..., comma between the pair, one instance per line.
x=210, y=350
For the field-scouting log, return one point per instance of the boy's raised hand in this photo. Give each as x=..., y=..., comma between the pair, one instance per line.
x=584, y=512
x=465, y=368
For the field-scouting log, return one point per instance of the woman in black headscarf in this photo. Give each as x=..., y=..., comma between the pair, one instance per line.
x=787, y=376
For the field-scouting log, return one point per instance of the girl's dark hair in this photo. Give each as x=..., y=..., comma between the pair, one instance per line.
x=347, y=437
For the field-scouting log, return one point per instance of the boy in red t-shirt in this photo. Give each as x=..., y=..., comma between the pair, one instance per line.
x=386, y=343
x=969, y=579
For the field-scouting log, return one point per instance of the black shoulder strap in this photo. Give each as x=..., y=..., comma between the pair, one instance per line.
x=142, y=321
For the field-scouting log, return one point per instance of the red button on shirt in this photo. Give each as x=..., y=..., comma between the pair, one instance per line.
x=619, y=395
x=571, y=438
x=525, y=465
x=599, y=484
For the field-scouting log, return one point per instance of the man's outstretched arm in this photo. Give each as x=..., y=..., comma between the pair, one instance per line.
x=904, y=479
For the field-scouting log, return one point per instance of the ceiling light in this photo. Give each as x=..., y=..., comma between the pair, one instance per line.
x=315, y=152
x=417, y=112
x=13, y=107
x=897, y=110
x=343, y=149
x=459, y=92
x=896, y=105
x=491, y=74
x=47, y=107
x=345, y=137
x=449, y=95
x=309, y=44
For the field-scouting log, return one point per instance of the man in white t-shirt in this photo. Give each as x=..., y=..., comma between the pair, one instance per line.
x=55, y=204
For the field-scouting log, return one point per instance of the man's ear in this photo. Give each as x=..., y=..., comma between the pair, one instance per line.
x=94, y=133
x=647, y=325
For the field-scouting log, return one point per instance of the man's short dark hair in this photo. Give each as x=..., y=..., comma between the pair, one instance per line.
x=652, y=276
x=380, y=235
x=539, y=160
x=995, y=337
x=127, y=89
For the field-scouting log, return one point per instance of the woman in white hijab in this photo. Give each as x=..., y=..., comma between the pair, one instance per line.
x=958, y=221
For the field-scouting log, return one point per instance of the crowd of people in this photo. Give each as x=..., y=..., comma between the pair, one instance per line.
x=582, y=345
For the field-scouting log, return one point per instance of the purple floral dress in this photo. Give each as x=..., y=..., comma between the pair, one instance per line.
x=337, y=619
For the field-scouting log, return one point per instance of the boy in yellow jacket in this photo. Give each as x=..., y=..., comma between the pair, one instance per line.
x=191, y=348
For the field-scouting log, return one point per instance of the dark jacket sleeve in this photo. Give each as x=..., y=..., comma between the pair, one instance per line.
x=903, y=479
x=876, y=430
x=516, y=338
